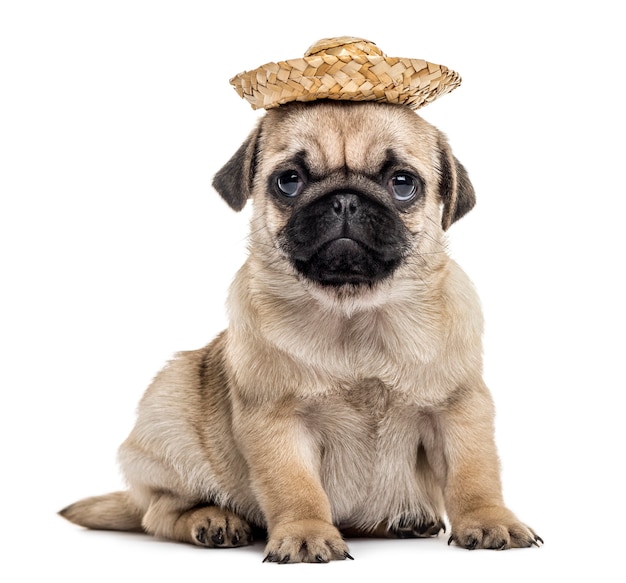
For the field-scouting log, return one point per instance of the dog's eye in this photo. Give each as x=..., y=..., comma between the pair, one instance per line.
x=403, y=187
x=289, y=183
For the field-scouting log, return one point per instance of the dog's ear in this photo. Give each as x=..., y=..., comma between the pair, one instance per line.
x=234, y=181
x=455, y=189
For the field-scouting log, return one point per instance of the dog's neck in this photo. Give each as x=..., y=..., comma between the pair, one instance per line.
x=278, y=303
x=363, y=329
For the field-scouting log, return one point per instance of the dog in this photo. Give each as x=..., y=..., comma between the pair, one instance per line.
x=346, y=396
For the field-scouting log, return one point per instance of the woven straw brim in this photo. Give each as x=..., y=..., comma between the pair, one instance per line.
x=411, y=82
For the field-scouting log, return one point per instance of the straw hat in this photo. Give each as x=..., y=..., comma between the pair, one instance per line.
x=345, y=68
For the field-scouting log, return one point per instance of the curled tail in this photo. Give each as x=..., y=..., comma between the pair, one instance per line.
x=115, y=511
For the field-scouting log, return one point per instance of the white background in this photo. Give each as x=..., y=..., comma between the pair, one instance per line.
x=116, y=253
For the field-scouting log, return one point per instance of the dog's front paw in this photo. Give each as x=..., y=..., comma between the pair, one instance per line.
x=493, y=527
x=212, y=526
x=305, y=541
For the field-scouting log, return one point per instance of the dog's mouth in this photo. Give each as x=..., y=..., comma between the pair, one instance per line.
x=345, y=261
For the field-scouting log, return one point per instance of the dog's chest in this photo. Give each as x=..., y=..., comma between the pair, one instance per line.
x=369, y=438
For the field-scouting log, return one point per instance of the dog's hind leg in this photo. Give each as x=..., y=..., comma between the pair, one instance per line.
x=171, y=517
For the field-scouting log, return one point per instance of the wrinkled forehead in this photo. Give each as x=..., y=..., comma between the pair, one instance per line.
x=356, y=136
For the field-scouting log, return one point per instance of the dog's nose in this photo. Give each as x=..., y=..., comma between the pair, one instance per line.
x=345, y=204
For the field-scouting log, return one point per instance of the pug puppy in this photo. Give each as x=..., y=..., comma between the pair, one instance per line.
x=346, y=396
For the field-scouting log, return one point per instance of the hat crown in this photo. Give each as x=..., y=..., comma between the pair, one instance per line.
x=344, y=45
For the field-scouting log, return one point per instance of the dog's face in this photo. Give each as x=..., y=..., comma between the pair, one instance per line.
x=346, y=194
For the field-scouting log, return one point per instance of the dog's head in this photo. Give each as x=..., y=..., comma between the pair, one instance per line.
x=345, y=194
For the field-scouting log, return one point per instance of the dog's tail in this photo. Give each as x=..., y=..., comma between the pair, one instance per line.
x=115, y=511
